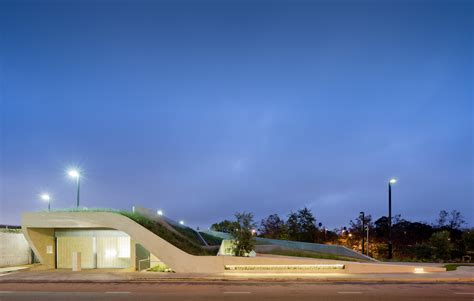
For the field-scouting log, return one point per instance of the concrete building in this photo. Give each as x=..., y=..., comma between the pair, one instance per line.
x=112, y=240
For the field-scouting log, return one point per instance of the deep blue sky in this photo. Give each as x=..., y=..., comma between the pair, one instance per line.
x=207, y=108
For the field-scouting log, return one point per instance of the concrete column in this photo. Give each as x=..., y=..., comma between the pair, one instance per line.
x=76, y=261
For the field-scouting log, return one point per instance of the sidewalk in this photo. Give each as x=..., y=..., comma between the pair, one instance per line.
x=463, y=274
x=7, y=270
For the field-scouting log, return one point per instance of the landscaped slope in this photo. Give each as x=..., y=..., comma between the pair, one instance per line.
x=181, y=241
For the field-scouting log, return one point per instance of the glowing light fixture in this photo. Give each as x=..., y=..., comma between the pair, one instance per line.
x=159, y=212
x=181, y=222
x=74, y=173
x=393, y=181
x=47, y=198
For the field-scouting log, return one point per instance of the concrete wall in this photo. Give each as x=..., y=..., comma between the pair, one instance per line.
x=14, y=249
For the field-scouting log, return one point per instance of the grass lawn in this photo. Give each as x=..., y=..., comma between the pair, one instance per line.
x=454, y=266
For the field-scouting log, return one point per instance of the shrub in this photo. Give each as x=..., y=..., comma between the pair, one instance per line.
x=422, y=252
x=441, y=244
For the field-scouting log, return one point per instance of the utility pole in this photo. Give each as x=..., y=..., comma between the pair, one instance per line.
x=390, y=182
x=362, y=214
x=367, y=240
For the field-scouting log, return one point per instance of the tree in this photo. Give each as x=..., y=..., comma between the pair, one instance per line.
x=442, y=245
x=307, y=225
x=356, y=229
x=273, y=227
x=242, y=233
x=442, y=218
x=456, y=220
x=381, y=228
x=468, y=240
x=224, y=226
x=293, y=227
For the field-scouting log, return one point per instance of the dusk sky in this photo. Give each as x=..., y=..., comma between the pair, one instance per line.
x=204, y=109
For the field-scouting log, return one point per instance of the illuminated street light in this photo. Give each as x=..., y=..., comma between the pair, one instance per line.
x=181, y=222
x=159, y=212
x=74, y=173
x=45, y=197
x=390, y=182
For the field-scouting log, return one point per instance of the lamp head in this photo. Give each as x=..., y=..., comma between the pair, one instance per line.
x=74, y=173
x=393, y=181
x=45, y=197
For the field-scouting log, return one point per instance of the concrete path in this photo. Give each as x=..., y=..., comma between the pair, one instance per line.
x=7, y=270
x=463, y=274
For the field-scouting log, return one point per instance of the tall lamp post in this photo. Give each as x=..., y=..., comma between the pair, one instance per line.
x=390, y=182
x=45, y=197
x=74, y=173
x=362, y=216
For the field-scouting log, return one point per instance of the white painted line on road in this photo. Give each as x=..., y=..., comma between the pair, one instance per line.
x=6, y=292
x=117, y=292
x=464, y=293
x=349, y=292
x=237, y=292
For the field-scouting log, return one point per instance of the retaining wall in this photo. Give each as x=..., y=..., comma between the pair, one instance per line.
x=14, y=249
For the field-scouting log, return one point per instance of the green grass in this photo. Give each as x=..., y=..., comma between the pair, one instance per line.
x=454, y=266
x=187, y=244
x=3, y=230
x=189, y=233
x=211, y=239
x=161, y=267
x=308, y=254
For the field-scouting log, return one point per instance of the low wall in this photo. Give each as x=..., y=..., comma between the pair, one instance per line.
x=14, y=249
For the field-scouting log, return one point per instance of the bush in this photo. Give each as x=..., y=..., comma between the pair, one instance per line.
x=422, y=252
x=468, y=240
x=242, y=234
x=441, y=244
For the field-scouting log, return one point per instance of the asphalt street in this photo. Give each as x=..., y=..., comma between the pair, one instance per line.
x=225, y=290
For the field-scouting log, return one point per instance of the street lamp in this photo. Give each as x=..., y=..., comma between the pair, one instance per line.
x=367, y=227
x=362, y=216
x=45, y=197
x=390, y=182
x=74, y=173
x=181, y=223
x=159, y=212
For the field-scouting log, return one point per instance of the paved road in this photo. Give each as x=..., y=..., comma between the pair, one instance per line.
x=235, y=291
